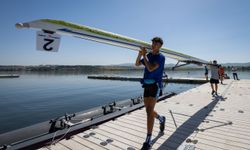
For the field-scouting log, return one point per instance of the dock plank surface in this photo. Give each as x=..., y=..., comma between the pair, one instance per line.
x=203, y=121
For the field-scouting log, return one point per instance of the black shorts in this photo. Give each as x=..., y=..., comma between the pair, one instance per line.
x=151, y=90
x=215, y=81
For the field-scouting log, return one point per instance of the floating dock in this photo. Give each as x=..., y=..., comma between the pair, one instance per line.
x=9, y=76
x=169, y=80
x=195, y=120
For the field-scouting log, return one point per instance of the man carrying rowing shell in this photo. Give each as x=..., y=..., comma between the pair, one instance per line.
x=152, y=83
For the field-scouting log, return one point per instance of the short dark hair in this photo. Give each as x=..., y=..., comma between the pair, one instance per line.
x=158, y=40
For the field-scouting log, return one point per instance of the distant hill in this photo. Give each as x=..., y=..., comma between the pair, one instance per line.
x=124, y=66
x=237, y=64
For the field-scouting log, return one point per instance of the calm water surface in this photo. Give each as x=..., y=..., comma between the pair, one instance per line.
x=37, y=97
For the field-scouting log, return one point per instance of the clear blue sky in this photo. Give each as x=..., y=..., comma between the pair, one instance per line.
x=208, y=29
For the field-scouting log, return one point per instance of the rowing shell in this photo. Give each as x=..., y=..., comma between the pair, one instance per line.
x=89, y=33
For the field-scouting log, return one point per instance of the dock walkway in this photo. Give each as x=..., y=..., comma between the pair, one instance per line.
x=199, y=121
x=9, y=75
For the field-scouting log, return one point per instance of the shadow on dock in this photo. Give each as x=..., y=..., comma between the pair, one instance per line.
x=186, y=130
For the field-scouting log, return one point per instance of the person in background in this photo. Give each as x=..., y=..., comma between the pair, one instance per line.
x=221, y=73
x=165, y=75
x=206, y=73
x=214, y=80
x=235, y=75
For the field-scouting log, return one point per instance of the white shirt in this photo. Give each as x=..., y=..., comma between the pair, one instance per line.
x=214, y=72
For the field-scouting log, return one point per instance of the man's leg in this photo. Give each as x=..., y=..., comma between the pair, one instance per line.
x=216, y=88
x=234, y=75
x=212, y=88
x=149, y=104
x=151, y=114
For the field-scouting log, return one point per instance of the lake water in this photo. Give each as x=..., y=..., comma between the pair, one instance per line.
x=37, y=97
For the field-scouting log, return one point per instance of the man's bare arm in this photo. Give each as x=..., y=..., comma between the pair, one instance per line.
x=149, y=66
x=138, y=59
